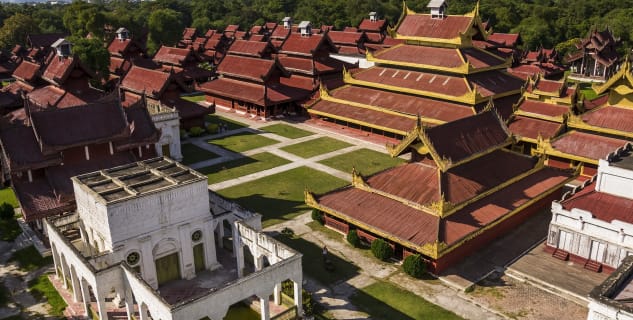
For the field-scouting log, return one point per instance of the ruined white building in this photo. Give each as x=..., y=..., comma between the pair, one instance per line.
x=149, y=236
x=613, y=299
x=593, y=224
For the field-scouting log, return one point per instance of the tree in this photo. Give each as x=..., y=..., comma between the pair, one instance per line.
x=352, y=238
x=81, y=18
x=6, y=211
x=381, y=249
x=414, y=266
x=165, y=27
x=15, y=30
x=93, y=54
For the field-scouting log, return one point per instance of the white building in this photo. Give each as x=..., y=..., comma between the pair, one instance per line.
x=613, y=299
x=151, y=237
x=593, y=224
x=167, y=121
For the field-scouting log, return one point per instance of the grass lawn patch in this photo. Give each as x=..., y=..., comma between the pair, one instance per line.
x=242, y=166
x=9, y=229
x=279, y=197
x=231, y=124
x=383, y=300
x=29, y=259
x=243, y=141
x=198, y=97
x=366, y=161
x=287, y=131
x=192, y=154
x=7, y=195
x=41, y=287
x=315, y=226
x=309, y=149
x=587, y=91
x=313, y=264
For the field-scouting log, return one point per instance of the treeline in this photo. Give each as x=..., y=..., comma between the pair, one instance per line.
x=540, y=22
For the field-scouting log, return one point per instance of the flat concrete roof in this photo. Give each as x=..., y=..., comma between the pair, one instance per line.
x=137, y=179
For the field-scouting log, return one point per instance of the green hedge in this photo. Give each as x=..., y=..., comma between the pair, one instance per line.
x=353, y=239
x=414, y=266
x=381, y=249
x=317, y=216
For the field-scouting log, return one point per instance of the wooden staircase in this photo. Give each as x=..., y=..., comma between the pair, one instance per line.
x=561, y=254
x=593, y=266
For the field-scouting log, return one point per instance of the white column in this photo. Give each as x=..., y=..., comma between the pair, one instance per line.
x=186, y=257
x=148, y=267
x=142, y=310
x=239, y=255
x=221, y=233
x=264, y=308
x=211, y=258
x=75, y=284
x=277, y=294
x=101, y=307
x=56, y=263
x=64, y=272
x=85, y=297
x=129, y=304
x=298, y=298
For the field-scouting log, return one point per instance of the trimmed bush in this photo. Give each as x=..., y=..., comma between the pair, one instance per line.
x=213, y=128
x=196, y=131
x=317, y=216
x=414, y=266
x=381, y=249
x=6, y=211
x=353, y=239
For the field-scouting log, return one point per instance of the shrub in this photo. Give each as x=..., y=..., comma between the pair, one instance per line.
x=213, y=128
x=196, y=131
x=287, y=232
x=414, y=266
x=317, y=216
x=6, y=211
x=310, y=307
x=352, y=238
x=381, y=249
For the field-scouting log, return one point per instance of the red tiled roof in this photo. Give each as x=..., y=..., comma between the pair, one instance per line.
x=444, y=84
x=56, y=97
x=152, y=82
x=297, y=44
x=364, y=115
x=250, y=48
x=597, y=102
x=257, y=37
x=280, y=33
x=119, y=65
x=610, y=117
x=526, y=70
x=549, y=85
x=463, y=138
x=119, y=46
x=232, y=28
x=422, y=25
x=542, y=108
x=507, y=39
x=531, y=128
x=296, y=80
x=587, y=145
x=602, y=206
x=37, y=198
x=350, y=50
x=142, y=129
x=247, y=68
x=342, y=37
x=189, y=33
x=171, y=55
x=412, y=105
x=59, y=69
x=252, y=92
x=376, y=26
x=23, y=151
x=44, y=40
x=26, y=71
x=494, y=82
x=441, y=57
x=480, y=59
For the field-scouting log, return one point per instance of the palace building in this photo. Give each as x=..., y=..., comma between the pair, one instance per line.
x=462, y=189
x=596, y=58
x=149, y=240
x=592, y=224
x=438, y=72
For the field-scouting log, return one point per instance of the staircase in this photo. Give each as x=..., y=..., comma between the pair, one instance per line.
x=560, y=254
x=593, y=266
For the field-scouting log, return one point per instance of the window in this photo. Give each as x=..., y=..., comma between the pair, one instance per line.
x=133, y=258
x=196, y=236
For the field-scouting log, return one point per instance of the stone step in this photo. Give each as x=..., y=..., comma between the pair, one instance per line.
x=561, y=254
x=593, y=266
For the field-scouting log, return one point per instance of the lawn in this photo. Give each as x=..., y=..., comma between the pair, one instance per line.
x=587, y=91
x=366, y=161
x=383, y=300
x=242, y=166
x=312, y=262
x=279, y=197
x=231, y=124
x=7, y=195
x=9, y=229
x=287, y=131
x=243, y=141
x=198, y=97
x=192, y=154
x=315, y=147
x=29, y=259
x=41, y=287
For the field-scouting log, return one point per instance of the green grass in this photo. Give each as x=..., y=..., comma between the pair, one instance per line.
x=29, y=259
x=7, y=195
x=9, y=229
x=313, y=265
x=231, y=124
x=587, y=91
x=242, y=166
x=41, y=288
x=240, y=311
x=383, y=300
x=194, y=97
x=366, y=161
x=309, y=149
x=315, y=226
x=192, y=154
x=279, y=197
x=287, y=131
x=243, y=141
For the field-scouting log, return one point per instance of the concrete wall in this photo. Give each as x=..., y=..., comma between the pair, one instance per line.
x=169, y=126
x=599, y=311
x=614, y=180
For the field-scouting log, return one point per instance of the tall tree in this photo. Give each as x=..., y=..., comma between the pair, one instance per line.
x=15, y=30
x=81, y=18
x=165, y=27
x=93, y=54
